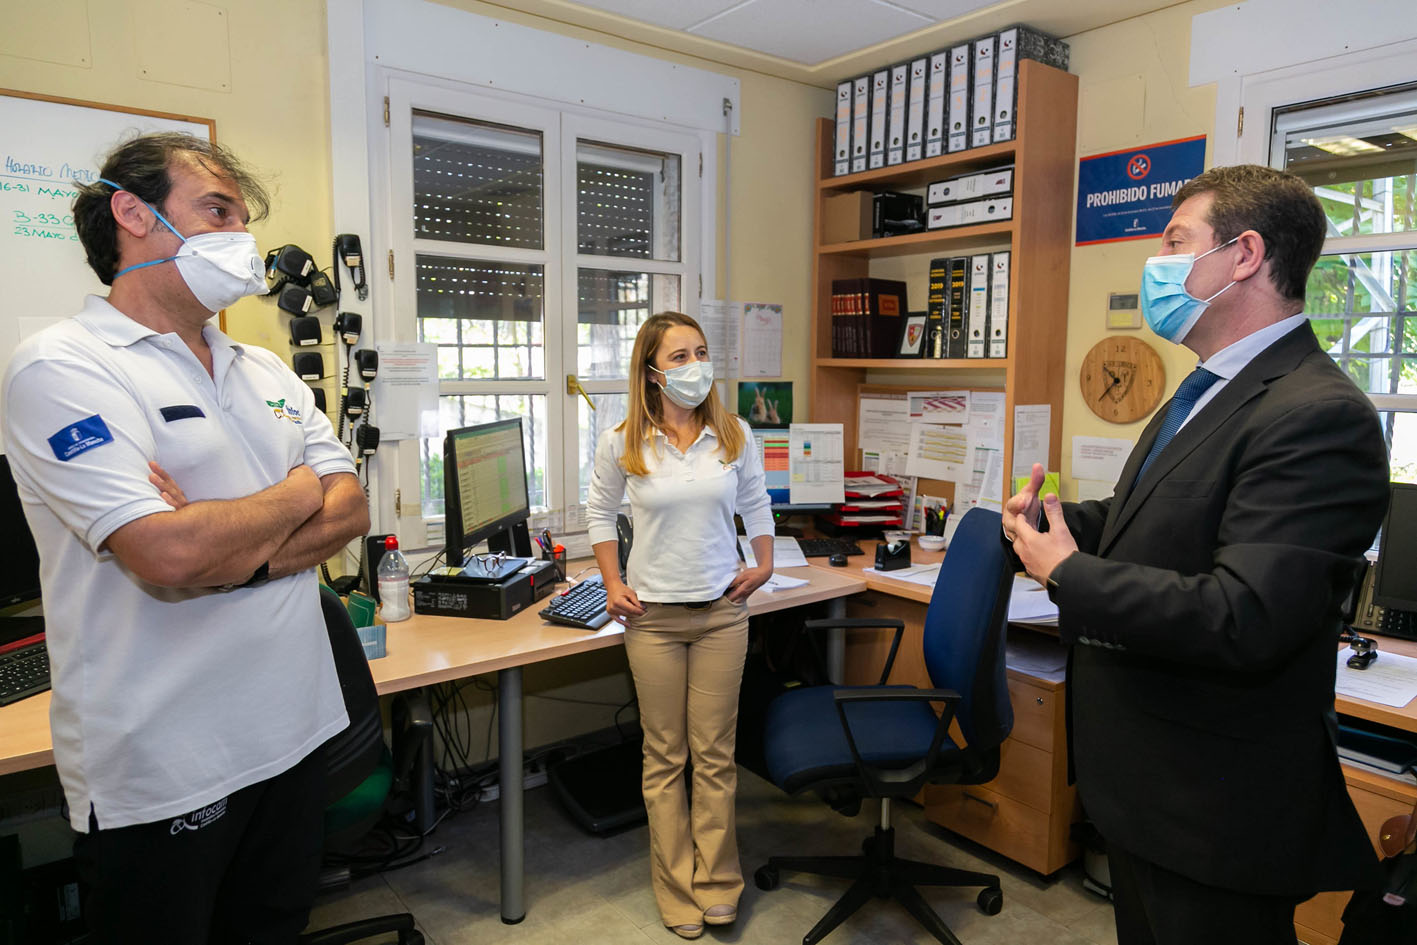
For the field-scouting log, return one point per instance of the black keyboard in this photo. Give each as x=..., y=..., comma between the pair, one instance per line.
x=23, y=672
x=825, y=547
x=1398, y=623
x=581, y=605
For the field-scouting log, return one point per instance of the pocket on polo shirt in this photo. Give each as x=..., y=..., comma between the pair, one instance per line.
x=181, y=412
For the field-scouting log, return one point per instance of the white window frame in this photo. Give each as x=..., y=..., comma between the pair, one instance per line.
x=561, y=130
x=370, y=42
x=1246, y=102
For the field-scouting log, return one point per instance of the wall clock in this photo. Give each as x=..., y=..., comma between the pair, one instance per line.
x=1122, y=378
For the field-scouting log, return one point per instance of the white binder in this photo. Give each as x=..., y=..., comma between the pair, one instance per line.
x=978, y=306
x=860, y=121
x=1005, y=87
x=841, y=158
x=880, y=84
x=935, y=104
x=999, y=306
x=958, y=117
x=915, y=111
x=983, y=108
x=895, y=135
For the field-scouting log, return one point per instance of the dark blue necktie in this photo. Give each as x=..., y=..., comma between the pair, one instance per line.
x=1195, y=384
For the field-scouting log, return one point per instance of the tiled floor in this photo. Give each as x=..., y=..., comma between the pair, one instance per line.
x=595, y=891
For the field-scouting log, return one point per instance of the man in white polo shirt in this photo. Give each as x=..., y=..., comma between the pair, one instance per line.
x=181, y=487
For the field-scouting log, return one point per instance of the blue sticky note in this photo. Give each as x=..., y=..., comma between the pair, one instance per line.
x=79, y=437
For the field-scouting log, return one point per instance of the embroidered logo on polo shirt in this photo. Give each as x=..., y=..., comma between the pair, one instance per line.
x=79, y=437
x=284, y=411
x=198, y=819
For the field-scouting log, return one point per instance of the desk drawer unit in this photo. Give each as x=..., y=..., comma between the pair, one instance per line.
x=1002, y=824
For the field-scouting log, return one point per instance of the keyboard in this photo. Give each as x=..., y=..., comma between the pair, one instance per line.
x=1398, y=623
x=580, y=605
x=23, y=672
x=825, y=547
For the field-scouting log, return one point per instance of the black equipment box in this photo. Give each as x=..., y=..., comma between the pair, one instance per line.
x=495, y=600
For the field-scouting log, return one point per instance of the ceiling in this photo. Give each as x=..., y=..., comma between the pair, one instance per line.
x=822, y=41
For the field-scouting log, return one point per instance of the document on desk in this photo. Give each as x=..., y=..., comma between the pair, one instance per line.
x=1029, y=603
x=781, y=582
x=925, y=574
x=786, y=553
x=1390, y=680
x=815, y=463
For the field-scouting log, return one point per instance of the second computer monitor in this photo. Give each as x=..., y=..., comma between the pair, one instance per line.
x=484, y=491
x=1396, y=582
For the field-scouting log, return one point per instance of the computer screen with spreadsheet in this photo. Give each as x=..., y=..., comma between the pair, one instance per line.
x=484, y=473
x=774, y=451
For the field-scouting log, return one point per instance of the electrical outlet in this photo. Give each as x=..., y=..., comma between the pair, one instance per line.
x=532, y=777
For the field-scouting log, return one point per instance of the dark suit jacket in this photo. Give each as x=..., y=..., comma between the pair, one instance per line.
x=1205, y=608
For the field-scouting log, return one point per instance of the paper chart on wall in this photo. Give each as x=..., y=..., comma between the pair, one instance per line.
x=1031, y=437
x=721, y=322
x=939, y=406
x=815, y=463
x=761, y=341
x=406, y=391
x=937, y=451
x=883, y=431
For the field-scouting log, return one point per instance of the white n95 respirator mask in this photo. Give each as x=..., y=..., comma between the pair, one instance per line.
x=219, y=268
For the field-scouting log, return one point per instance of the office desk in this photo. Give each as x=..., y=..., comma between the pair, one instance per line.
x=424, y=650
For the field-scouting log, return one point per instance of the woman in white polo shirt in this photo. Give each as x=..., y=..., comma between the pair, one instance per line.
x=687, y=465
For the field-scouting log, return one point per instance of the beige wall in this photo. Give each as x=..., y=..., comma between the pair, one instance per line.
x=1133, y=89
x=263, y=78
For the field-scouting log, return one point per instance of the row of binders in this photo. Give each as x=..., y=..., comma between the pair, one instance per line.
x=867, y=317
x=968, y=307
x=951, y=100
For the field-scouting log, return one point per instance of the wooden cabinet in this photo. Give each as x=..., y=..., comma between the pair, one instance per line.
x=1039, y=238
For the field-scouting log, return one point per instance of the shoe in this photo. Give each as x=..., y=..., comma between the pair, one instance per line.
x=687, y=931
x=720, y=915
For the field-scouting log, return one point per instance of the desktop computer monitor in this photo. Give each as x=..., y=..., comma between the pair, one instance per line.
x=484, y=489
x=19, y=578
x=1395, y=584
x=773, y=450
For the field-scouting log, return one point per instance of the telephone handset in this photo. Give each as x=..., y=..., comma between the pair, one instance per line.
x=1367, y=615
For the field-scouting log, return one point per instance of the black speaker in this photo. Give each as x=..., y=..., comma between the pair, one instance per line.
x=305, y=330
x=322, y=290
x=367, y=360
x=369, y=567
x=294, y=299
x=308, y=365
x=319, y=393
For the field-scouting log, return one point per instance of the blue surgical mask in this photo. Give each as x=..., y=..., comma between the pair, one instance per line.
x=1168, y=308
x=219, y=268
x=688, y=384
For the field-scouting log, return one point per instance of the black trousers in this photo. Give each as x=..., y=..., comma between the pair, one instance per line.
x=241, y=870
x=1155, y=906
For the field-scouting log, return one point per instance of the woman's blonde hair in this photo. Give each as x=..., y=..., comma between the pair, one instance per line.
x=645, y=412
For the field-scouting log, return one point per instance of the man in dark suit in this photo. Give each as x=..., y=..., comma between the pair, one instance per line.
x=1203, y=599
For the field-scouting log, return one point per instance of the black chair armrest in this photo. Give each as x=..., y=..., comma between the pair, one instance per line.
x=884, y=782
x=864, y=623
x=351, y=932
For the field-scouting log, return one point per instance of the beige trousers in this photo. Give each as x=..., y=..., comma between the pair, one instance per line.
x=688, y=666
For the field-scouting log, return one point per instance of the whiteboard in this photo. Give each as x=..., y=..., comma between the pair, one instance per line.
x=46, y=146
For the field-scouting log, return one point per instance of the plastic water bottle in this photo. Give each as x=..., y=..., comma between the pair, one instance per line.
x=393, y=582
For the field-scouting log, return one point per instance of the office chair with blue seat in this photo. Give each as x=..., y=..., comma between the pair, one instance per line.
x=886, y=741
x=359, y=771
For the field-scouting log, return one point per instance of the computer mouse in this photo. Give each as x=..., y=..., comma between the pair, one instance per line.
x=837, y=560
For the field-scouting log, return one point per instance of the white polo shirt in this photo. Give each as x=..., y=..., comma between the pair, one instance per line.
x=165, y=700
x=685, y=548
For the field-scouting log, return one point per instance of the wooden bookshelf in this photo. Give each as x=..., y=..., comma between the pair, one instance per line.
x=1038, y=236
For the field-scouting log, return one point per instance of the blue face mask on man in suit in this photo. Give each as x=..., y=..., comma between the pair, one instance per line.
x=1168, y=308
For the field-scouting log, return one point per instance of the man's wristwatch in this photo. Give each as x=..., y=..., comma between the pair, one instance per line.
x=261, y=576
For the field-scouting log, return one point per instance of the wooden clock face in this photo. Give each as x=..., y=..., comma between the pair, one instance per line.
x=1122, y=379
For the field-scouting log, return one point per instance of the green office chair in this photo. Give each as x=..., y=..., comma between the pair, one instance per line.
x=360, y=771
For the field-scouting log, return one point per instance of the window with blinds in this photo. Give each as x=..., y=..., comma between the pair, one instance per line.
x=1359, y=153
x=476, y=182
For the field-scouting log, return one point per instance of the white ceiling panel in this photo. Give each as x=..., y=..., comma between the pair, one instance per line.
x=939, y=10
x=673, y=14
x=810, y=31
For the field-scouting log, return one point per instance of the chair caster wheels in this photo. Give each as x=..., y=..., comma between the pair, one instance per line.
x=766, y=878
x=991, y=900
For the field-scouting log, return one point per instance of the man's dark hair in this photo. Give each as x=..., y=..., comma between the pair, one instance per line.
x=142, y=167
x=1278, y=206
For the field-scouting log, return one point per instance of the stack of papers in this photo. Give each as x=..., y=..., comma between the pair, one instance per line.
x=926, y=574
x=786, y=553
x=781, y=582
x=1390, y=680
x=869, y=485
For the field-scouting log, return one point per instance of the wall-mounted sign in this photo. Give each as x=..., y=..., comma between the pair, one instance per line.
x=1126, y=195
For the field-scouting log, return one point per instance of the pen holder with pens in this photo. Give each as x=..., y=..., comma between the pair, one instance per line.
x=557, y=557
